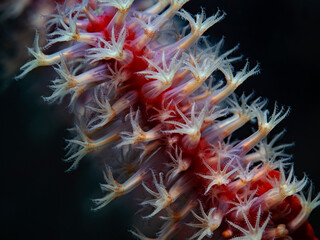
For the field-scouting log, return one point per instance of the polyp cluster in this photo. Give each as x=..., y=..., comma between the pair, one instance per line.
x=161, y=98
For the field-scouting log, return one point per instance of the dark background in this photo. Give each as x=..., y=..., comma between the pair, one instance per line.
x=39, y=200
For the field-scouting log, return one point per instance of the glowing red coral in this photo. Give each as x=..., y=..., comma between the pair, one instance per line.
x=148, y=89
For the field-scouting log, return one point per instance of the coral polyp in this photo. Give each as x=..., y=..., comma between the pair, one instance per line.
x=161, y=98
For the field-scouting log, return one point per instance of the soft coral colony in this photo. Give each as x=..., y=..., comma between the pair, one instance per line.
x=161, y=97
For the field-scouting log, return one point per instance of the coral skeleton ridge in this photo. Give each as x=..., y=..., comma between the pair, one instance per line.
x=161, y=98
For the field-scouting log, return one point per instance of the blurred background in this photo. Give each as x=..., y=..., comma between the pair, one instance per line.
x=40, y=201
